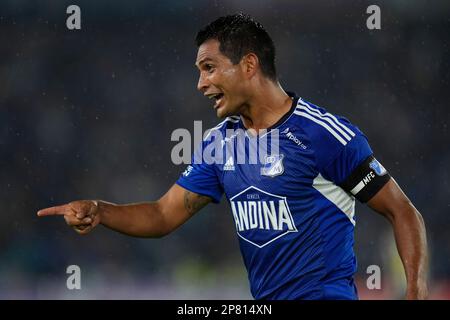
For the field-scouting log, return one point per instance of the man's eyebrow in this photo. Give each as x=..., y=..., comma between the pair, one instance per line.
x=198, y=64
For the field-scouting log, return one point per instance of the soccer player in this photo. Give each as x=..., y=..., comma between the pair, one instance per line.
x=294, y=211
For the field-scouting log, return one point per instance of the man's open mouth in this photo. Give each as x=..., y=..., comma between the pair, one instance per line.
x=217, y=97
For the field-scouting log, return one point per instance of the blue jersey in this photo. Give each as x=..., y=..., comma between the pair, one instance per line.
x=293, y=216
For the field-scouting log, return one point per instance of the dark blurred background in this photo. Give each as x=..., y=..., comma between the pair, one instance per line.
x=88, y=114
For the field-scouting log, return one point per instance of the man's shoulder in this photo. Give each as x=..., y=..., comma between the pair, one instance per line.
x=322, y=126
x=327, y=134
x=221, y=128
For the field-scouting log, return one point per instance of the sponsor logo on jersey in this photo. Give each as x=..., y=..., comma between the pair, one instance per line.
x=229, y=165
x=261, y=217
x=293, y=138
x=377, y=167
x=273, y=166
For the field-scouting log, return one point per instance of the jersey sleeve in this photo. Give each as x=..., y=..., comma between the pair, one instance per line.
x=344, y=156
x=201, y=177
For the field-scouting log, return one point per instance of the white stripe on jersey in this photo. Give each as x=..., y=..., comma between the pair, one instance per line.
x=327, y=116
x=323, y=124
x=331, y=122
x=233, y=119
x=336, y=195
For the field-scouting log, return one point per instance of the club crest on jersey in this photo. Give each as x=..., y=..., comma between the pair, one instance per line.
x=273, y=166
x=261, y=217
x=377, y=167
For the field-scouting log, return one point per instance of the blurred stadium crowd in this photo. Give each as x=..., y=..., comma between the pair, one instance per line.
x=88, y=114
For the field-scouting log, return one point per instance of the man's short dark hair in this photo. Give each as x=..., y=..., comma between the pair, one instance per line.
x=238, y=35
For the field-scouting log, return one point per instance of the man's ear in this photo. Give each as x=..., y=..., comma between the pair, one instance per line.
x=250, y=64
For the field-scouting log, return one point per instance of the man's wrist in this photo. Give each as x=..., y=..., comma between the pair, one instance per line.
x=104, y=209
x=100, y=212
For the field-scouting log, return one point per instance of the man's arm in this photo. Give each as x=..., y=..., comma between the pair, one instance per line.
x=147, y=219
x=410, y=236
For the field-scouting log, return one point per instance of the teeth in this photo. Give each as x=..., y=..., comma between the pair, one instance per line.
x=214, y=96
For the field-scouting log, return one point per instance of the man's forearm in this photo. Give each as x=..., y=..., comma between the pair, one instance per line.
x=410, y=236
x=137, y=219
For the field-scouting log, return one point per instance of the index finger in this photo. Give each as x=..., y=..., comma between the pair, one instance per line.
x=57, y=210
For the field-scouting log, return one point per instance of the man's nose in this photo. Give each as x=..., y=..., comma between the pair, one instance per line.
x=202, y=84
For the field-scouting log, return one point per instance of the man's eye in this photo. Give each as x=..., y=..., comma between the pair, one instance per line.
x=209, y=68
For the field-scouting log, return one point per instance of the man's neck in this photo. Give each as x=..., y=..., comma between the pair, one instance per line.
x=266, y=107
